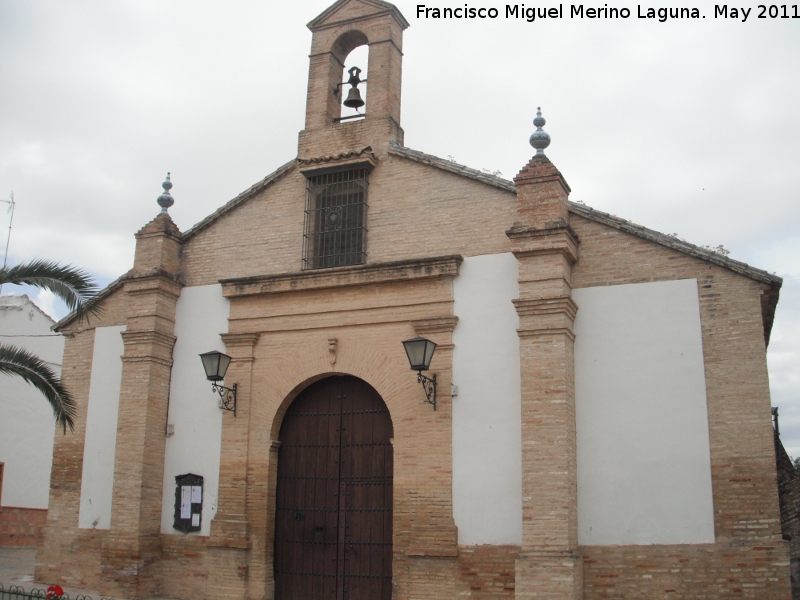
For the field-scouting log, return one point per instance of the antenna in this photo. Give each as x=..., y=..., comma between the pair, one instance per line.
x=8, y=239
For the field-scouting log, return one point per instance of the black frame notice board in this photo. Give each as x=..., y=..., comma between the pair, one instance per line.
x=188, y=502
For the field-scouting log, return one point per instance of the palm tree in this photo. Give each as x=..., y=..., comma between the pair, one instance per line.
x=78, y=291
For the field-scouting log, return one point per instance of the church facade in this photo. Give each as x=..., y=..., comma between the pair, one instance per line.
x=601, y=426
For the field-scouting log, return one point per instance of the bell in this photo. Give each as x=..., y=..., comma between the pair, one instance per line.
x=353, y=99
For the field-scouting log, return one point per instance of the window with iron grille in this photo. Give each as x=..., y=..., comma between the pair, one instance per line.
x=335, y=231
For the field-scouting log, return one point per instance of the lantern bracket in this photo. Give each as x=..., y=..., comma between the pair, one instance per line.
x=227, y=397
x=429, y=385
x=420, y=352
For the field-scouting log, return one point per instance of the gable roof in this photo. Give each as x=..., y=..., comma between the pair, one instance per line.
x=675, y=243
x=242, y=198
x=769, y=299
x=366, y=8
x=101, y=295
x=592, y=214
x=451, y=166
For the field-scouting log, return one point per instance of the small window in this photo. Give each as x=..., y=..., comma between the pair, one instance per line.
x=336, y=216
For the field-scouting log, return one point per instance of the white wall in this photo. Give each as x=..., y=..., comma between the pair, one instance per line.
x=487, y=447
x=27, y=424
x=202, y=315
x=97, y=481
x=644, y=466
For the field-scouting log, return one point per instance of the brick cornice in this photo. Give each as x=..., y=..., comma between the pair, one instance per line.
x=156, y=280
x=317, y=166
x=148, y=337
x=327, y=18
x=435, y=325
x=525, y=333
x=154, y=346
x=240, y=345
x=556, y=237
x=404, y=270
x=150, y=359
x=546, y=306
x=240, y=339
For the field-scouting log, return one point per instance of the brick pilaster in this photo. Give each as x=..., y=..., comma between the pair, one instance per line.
x=131, y=553
x=549, y=564
x=230, y=529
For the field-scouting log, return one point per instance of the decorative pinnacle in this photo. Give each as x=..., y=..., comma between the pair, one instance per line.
x=165, y=200
x=539, y=138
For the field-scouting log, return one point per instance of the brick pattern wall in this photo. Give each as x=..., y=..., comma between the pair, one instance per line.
x=749, y=558
x=188, y=566
x=415, y=211
x=722, y=570
x=21, y=526
x=131, y=552
x=789, y=493
x=369, y=323
x=68, y=555
x=486, y=572
x=82, y=557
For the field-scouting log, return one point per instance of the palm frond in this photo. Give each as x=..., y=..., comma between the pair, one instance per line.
x=74, y=286
x=16, y=361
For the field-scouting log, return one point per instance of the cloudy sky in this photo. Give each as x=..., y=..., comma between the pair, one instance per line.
x=685, y=126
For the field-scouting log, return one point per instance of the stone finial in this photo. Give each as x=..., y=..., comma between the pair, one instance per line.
x=165, y=200
x=539, y=138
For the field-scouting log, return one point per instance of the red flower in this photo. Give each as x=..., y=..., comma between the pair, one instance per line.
x=54, y=592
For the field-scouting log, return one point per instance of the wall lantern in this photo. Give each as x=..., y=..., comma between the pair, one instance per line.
x=216, y=365
x=420, y=352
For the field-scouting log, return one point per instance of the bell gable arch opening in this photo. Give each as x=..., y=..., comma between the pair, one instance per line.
x=347, y=42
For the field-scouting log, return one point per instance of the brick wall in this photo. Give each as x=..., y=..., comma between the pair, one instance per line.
x=722, y=570
x=66, y=554
x=369, y=321
x=486, y=572
x=415, y=211
x=21, y=526
x=789, y=492
x=279, y=340
x=749, y=558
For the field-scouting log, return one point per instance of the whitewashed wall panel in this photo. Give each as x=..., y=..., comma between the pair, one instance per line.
x=97, y=483
x=201, y=316
x=644, y=467
x=487, y=447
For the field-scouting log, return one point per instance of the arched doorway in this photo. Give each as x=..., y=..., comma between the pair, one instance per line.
x=333, y=518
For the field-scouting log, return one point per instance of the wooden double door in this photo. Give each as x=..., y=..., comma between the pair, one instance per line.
x=333, y=522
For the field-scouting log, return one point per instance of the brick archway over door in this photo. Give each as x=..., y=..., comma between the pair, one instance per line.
x=333, y=518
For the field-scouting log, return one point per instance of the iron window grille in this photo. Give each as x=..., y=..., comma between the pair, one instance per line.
x=335, y=231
